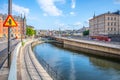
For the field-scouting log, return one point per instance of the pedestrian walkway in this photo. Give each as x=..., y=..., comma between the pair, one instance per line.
x=29, y=68
x=41, y=70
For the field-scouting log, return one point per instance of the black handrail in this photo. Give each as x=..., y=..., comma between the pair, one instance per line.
x=4, y=51
x=53, y=73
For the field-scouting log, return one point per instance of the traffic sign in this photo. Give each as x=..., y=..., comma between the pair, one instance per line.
x=10, y=22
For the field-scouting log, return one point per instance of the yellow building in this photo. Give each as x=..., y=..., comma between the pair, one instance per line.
x=105, y=24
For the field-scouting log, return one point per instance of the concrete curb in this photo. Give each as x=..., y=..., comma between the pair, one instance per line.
x=42, y=71
x=13, y=67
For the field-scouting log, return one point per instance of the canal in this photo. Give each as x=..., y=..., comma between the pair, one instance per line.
x=72, y=65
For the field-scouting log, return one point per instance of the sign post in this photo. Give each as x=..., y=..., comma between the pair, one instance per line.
x=9, y=13
x=9, y=22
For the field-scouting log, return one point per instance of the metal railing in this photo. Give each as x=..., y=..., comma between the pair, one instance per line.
x=52, y=72
x=4, y=56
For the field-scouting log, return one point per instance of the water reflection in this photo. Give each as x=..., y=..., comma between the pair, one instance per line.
x=104, y=64
x=77, y=66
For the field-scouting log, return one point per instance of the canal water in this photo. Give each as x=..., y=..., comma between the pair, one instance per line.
x=72, y=65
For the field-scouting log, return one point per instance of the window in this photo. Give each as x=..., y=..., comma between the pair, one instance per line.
x=108, y=29
x=108, y=18
x=111, y=23
x=114, y=29
x=3, y=29
x=4, y=35
x=111, y=29
x=108, y=23
x=114, y=23
x=114, y=18
x=111, y=18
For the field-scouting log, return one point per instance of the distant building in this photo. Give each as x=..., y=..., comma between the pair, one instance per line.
x=105, y=24
x=15, y=31
x=42, y=32
x=83, y=29
x=80, y=31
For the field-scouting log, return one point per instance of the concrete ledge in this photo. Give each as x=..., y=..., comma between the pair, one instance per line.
x=42, y=71
x=13, y=67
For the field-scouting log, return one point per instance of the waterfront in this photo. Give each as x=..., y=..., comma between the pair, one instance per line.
x=76, y=65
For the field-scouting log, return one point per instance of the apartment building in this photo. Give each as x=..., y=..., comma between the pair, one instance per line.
x=18, y=31
x=105, y=24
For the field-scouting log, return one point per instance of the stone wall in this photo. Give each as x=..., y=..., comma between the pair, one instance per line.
x=93, y=49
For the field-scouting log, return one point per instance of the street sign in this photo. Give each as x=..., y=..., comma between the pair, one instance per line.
x=10, y=22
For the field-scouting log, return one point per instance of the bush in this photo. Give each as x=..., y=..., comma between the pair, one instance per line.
x=23, y=43
x=85, y=33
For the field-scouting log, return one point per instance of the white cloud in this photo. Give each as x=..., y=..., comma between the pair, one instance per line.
x=48, y=6
x=45, y=14
x=20, y=10
x=72, y=13
x=73, y=4
x=117, y=1
x=77, y=24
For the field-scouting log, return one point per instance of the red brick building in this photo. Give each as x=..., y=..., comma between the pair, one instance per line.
x=18, y=31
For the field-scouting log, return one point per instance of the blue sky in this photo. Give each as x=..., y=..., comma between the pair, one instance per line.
x=63, y=14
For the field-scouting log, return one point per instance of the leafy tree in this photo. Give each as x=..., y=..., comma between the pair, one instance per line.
x=34, y=32
x=30, y=31
x=85, y=33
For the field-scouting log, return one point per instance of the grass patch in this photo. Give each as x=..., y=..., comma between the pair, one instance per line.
x=23, y=43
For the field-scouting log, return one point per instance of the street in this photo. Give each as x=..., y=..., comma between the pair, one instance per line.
x=4, y=50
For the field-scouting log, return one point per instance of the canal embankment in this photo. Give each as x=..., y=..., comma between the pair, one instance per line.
x=69, y=64
x=91, y=47
x=29, y=68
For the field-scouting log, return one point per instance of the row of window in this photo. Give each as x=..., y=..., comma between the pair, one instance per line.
x=5, y=35
x=112, y=29
x=111, y=23
x=112, y=18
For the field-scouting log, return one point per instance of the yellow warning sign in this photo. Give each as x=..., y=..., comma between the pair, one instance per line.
x=10, y=22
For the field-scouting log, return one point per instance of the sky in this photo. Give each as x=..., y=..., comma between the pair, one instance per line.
x=59, y=14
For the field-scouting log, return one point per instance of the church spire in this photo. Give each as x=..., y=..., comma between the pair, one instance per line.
x=94, y=15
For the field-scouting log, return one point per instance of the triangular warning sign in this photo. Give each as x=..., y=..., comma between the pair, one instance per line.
x=10, y=22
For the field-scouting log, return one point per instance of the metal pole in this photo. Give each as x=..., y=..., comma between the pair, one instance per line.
x=21, y=27
x=9, y=13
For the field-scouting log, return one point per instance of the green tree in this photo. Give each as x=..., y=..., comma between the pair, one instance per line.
x=34, y=32
x=85, y=33
x=30, y=31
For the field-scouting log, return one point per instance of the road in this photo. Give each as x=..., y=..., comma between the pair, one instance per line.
x=4, y=50
x=89, y=39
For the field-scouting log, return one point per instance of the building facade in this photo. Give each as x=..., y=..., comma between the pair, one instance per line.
x=105, y=24
x=18, y=31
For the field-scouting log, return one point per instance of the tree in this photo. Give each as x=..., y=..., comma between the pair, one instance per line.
x=30, y=31
x=34, y=32
x=85, y=33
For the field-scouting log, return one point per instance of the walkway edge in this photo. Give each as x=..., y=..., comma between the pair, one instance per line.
x=13, y=67
x=42, y=71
